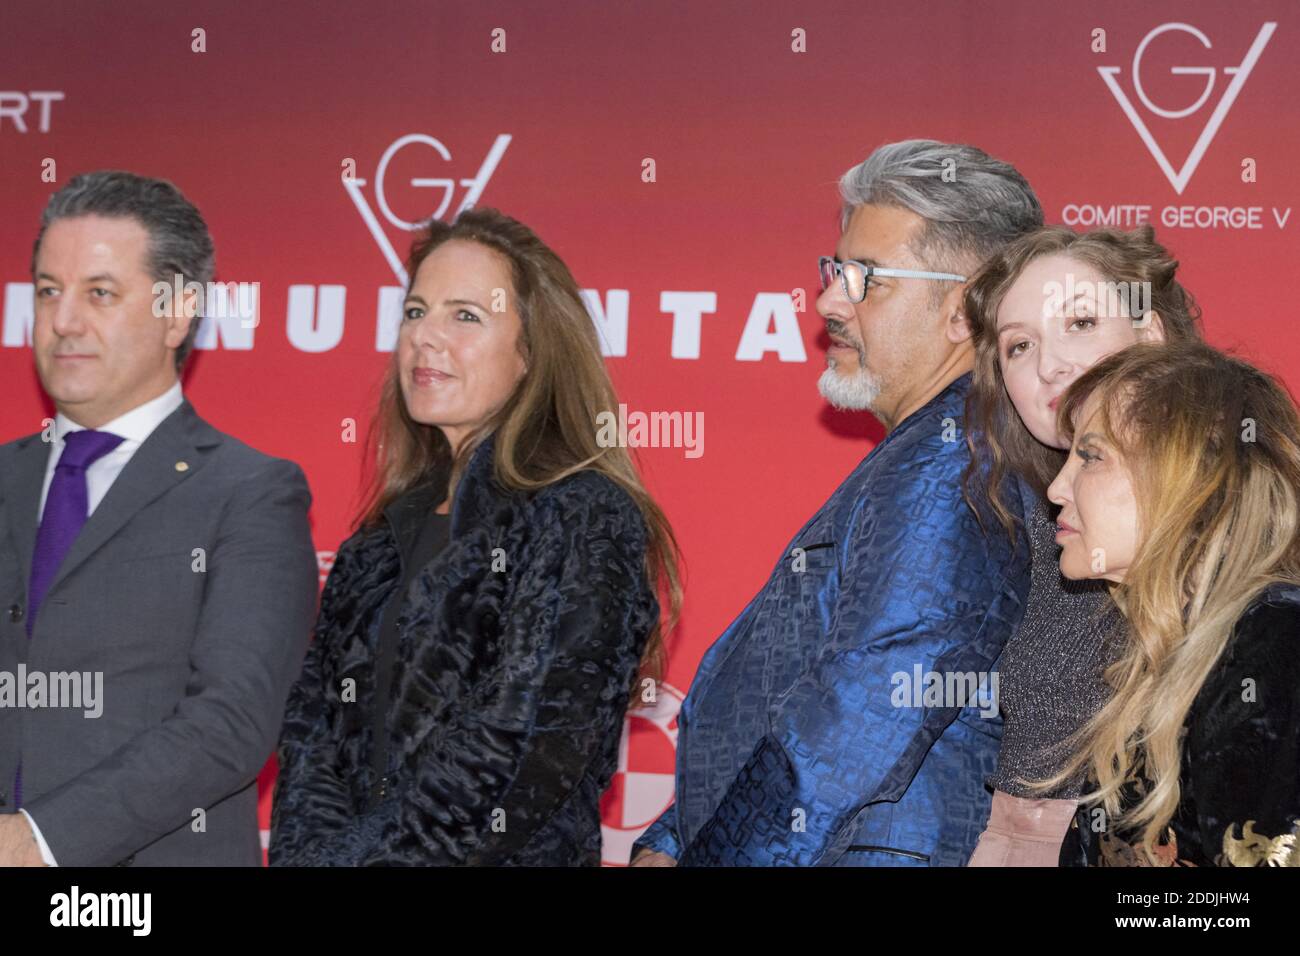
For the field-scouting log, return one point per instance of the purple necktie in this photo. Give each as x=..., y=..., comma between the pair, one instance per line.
x=66, y=508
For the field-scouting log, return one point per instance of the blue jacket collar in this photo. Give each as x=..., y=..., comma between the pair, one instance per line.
x=949, y=402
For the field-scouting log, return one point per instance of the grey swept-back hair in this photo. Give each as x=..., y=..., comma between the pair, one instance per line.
x=179, y=242
x=982, y=204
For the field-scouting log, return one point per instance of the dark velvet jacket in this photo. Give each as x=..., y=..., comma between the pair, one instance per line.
x=1239, y=785
x=518, y=647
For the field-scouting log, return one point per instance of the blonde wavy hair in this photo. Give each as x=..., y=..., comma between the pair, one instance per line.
x=1212, y=446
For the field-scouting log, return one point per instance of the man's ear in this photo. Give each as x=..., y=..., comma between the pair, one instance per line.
x=178, y=322
x=956, y=326
x=1154, y=329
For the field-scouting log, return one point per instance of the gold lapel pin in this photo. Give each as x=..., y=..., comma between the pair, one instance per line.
x=182, y=466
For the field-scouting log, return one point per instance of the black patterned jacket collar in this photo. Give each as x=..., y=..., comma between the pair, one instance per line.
x=479, y=500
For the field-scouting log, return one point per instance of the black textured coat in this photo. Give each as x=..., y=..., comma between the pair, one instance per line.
x=1239, y=800
x=518, y=649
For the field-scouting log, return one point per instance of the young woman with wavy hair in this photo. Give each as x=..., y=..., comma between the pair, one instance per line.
x=1043, y=310
x=481, y=633
x=1183, y=491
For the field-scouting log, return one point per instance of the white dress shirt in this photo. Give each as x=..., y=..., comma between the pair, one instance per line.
x=134, y=427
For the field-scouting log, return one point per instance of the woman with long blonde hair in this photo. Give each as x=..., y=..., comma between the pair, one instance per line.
x=1043, y=310
x=481, y=634
x=1182, y=490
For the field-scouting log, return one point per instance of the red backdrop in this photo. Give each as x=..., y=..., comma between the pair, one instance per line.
x=748, y=137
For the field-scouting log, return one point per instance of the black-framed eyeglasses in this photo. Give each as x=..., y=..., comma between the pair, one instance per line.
x=855, y=275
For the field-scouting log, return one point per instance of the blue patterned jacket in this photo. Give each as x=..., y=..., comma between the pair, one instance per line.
x=791, y=747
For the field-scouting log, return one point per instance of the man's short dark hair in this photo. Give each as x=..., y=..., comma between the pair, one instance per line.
x=179, y=241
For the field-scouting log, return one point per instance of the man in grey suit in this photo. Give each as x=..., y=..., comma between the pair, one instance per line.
x=157, y=577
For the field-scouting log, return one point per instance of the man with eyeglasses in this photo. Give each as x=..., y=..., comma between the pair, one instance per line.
x=843, y=718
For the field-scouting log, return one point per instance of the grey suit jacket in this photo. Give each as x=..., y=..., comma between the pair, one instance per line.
x=191, y=589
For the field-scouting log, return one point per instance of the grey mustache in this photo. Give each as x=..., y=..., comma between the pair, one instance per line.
x=837, y=330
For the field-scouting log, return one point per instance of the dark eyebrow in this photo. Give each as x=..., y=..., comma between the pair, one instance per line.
x=1087, y=300
x=100, y=277
x=865, y=260
x=418, y=299
x=1090, y=437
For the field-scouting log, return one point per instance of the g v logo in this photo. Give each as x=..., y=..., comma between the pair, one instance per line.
x=1239, y=74
x=473, y=189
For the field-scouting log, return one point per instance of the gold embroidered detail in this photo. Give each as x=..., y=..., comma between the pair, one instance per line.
x=1112, y=851
x=1254, y=849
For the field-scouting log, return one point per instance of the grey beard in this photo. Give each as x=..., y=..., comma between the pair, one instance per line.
x=856, y=392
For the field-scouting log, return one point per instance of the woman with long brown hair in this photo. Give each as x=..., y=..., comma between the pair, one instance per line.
x=1043, y=310
x=1183, y=492
x=481, y=633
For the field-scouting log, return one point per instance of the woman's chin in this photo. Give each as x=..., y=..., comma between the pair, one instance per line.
x=1044, y=434
x=1068, y=570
